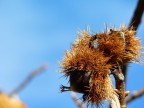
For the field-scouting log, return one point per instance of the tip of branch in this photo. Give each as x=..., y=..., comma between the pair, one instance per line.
x=45, y=66
x=76, y=100
x=41, y=69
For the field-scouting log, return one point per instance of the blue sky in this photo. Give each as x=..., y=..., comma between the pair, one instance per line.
x=33, y=32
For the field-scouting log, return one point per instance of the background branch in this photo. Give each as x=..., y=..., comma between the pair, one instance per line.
x=135, y=95
x=77, y=101
x=33, y=74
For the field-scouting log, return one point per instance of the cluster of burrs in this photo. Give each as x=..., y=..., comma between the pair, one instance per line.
x=92, y=58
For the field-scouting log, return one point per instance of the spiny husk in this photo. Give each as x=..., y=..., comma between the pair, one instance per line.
x=100, y=89
x=111, y=45
x=81, y=57
x=115, y=46
x=133, y=45
x=121, y=45
x=100, y=83
x=10, y=102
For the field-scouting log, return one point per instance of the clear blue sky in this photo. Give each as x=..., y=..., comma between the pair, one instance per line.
x=33, y=32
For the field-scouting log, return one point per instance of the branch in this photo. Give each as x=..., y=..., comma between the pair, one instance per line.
x=135, y=95
x=77, y=101
x=137, y=16
x=135, y=21
x=120, y=86
x=33, y=74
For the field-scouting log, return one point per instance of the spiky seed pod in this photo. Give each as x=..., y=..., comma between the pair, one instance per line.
x=100, y=89
x=94, y=80
x=133, y=45
x=76, y=58
x=92, y=57
x=10, y=102
x=100, y=83
x=121, y=45
x=112, y=45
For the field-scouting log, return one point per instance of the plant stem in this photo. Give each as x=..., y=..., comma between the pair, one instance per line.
x=135, y=22
x=120, y=86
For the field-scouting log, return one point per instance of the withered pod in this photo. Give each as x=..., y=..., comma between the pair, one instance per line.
x=91, y=58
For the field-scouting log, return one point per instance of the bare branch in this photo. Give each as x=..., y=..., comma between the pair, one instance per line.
x=120, y=85
x=135, y=95
x=33, y=74
x=77, y=101
x=135, y=21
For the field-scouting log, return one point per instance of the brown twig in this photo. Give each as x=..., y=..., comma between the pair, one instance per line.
x=77, y=101
x=120, y=86
x=33, y=74
x=135, y=95
x=135, y=21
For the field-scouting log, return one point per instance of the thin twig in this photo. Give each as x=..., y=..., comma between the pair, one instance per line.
x=77, y=101
x=33, y=74
x=135, y=95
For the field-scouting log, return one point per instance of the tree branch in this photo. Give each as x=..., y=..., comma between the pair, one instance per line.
x=115, y=103
x=33, y=74
x=137, y=16
x=77, y=101
x=135, y=95
x=120, y=85
x=135, y=21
